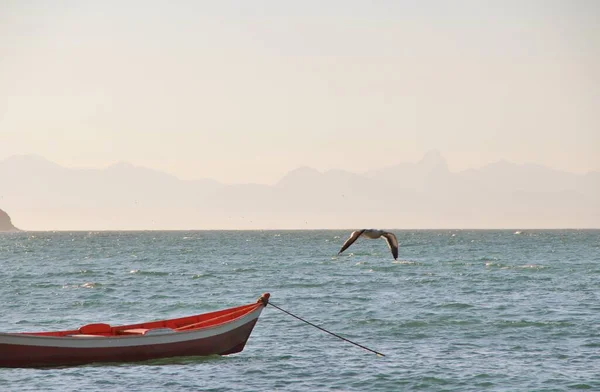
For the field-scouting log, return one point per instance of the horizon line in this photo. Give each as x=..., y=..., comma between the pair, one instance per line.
x=337, y=229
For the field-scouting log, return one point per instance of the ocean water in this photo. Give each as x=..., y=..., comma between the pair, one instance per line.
x=459, y=311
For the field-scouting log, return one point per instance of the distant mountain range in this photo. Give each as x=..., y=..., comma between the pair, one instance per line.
x=41, y=195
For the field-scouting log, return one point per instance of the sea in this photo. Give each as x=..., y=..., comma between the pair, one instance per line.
x=460, y=310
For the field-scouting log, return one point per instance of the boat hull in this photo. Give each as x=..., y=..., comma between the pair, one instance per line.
x=23, y=350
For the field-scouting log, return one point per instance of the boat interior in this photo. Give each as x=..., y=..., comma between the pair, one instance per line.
x=183, y=324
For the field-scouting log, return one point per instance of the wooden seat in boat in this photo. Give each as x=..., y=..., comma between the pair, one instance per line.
x=145, y=331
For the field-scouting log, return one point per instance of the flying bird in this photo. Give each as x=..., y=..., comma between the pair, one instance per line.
x=390, y=238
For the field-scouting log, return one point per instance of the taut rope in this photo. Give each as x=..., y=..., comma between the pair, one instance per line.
x=324, y=330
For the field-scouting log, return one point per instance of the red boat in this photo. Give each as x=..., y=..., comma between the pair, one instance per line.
x=222, y=332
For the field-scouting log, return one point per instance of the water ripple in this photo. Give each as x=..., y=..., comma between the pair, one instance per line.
x=460, y=311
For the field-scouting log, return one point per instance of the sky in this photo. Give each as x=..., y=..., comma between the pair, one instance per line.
x=242, y=91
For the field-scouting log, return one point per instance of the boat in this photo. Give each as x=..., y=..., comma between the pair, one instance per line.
x=220, y=332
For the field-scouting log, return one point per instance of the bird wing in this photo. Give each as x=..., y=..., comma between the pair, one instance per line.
x=353, y=237
x=392, y=242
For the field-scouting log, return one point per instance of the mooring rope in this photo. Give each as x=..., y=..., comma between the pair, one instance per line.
x=324, y=330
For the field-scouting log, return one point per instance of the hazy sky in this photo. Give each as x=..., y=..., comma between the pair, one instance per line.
x=244, y=91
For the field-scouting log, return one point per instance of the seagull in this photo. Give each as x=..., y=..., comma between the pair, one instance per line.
x=390, y=238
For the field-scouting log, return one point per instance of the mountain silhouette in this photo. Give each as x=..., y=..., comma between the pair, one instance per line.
x=6, y=223
x=425, y=194
x=430, y=172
